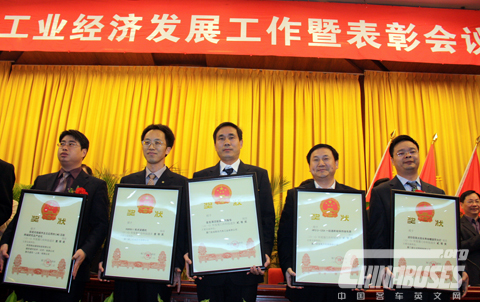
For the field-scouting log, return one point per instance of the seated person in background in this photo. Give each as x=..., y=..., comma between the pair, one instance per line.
x=470, y=237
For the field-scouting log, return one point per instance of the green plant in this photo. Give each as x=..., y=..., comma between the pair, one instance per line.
x=109, y=298
x=110, y=178
x=278, y=184
x=17, y=190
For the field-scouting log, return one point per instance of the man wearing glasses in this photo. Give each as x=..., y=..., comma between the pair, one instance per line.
x=157, y=142
x=404, y=155
x=72, y=149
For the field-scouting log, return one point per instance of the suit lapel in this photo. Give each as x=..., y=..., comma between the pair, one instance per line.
x=468, y=225
x=396, y=184
x=242, y=168
x=215, y=170
x=165, y=179
x=50, y=181
x=81, y=180
x=310, y=185
x=141, y=177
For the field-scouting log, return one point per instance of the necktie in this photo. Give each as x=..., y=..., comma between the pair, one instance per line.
x=475, y=225
x=62, y=184
x=413, y=184
x=228, y=170
x=151, y=181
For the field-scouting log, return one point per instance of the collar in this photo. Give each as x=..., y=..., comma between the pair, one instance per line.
x=407, y=187
x=74, y=172
x=317, y=186
x=158, y=174
x=234, y=166
x=471, y=219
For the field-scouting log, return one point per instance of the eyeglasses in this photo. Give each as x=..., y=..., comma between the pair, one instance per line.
x=156, y=143
x=68, y=144
x=412, y=152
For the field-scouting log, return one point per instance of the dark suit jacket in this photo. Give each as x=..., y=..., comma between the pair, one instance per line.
x=169, y=178
x=7, y=180
x=470, y=239
x=379, y=226
x=94, y=226
x=267, y=213
x=285, y=232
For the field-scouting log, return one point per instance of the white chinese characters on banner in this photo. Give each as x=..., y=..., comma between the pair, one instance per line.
x=397, y=37
x=470, y=44
x=324, y=33
x=83, y=26
x=169, y=27
x=363, y=32
x=129, y=26
x=13, y=33
x=50, y=28
x=441, y=40
x=204, y=28
x=165, y=28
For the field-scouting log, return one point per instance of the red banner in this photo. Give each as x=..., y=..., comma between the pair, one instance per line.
x=262, y=28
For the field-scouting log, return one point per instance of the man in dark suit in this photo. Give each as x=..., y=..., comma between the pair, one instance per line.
x=237, y=286
x=404, y=155
x=72, y=149
x=157, y=141
x=7, y=180
x=323, y=162
x=470, y=237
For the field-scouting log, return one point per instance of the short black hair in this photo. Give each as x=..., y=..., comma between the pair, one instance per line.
x=380, y=181
x=227, y=124
x=399, y=139
x=319, y=146
x=169, y=136
x=87, y=169
x=78, y=136
x=467, y=193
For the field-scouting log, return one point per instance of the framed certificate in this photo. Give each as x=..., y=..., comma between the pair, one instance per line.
x=45, y=239
x=142, y=236
x=425, y=240
x=329, y=241
x=225, y=226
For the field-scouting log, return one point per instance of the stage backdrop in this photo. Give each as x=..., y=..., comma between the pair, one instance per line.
x=262, y=28
x=282, y=114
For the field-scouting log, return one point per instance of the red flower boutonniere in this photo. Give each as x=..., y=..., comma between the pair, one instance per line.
x=78, y=190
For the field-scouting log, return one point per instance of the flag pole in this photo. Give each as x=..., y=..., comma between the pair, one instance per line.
x=477, y=141
x=392, y=136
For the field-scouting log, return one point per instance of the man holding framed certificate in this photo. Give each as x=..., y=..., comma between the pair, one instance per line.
x=157, y=141
x=404, y=155
x=237, y=286
x=72, y=149
x=323, y=162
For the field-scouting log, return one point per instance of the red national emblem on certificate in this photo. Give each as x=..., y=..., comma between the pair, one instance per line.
x=50, y=210
x=425, y=211
x=221, y=194
x=330, y=207
x=146, y=203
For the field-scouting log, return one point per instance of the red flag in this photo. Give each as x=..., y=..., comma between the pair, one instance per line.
x=471, y=177
x=429, y=173
x=384, y=170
